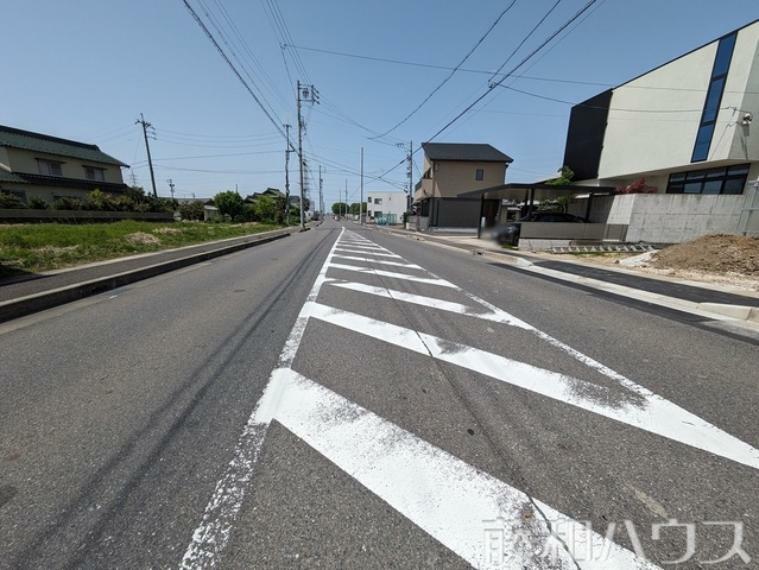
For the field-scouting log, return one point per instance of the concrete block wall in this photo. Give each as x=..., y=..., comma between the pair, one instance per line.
x=673, y=218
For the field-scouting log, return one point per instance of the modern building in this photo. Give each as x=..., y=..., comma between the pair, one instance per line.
x=449, y=170
x=34, y=165
x=386, y=207
x=679, y=143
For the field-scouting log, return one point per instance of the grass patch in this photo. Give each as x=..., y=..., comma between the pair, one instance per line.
x=41, y=247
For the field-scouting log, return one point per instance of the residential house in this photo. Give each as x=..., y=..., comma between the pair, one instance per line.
x=271, y=192
x=386, y=207
x=35, y=165
x=449, y=170
x=679, y=143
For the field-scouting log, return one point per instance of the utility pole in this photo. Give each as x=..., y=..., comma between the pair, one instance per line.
x=410, y=175
x=361, y=201
x=288, y=150
x=145, y=126
x=171, y=187
x=308, y=94
x=409, y=171
x=345, y=209
x=321, y=195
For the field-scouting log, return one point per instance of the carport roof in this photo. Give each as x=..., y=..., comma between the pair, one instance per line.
x=542, y=191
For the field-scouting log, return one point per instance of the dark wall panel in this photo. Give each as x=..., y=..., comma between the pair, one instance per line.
x=585, y=135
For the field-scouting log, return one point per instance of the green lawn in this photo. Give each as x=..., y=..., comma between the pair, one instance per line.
x=41, y=247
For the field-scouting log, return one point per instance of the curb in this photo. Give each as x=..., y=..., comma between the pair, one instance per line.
x=29, y=304
x=719, y=311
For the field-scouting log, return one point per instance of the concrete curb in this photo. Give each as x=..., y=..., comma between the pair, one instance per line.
x=746, y=316
x=29, y=304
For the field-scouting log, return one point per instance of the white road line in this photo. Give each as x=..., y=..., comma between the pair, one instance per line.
x=394, y=275
x=358, y=241
x=447, y=498
x=362, y=252
x=366, y=247
x=649, y=412
x=380, y=261
x=212, y=535
x=450, y=306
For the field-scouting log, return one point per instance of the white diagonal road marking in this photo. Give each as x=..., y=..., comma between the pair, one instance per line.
x=450, y=306
x=650, y=413
x=449, y=499
x=380, y=261
x=371, y=253
x=394, y=275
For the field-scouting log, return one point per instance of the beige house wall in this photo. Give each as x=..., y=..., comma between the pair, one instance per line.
x=21, y=160
x=449, y=178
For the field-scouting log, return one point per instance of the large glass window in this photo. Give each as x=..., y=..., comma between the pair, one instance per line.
x=713, y=98
x=728, y=180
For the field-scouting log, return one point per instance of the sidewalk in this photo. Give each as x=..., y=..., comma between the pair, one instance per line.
x=709, y=300
x=37, y=292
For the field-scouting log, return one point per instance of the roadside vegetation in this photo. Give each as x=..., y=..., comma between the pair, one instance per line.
x=133, y=199
x=41, y=247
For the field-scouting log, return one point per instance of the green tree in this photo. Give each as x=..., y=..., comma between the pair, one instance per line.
x=192, y=210
x=230, y=204
x=565, y=177
x=355, y=208
x=267, y=209
x=338, y=208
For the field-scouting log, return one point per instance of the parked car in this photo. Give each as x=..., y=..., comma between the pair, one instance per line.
x=508, y=234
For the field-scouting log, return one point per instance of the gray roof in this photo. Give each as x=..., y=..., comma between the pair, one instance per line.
x=16, y=138
x=464, y=152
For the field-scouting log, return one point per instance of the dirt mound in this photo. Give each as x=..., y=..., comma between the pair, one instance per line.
x=717, y=253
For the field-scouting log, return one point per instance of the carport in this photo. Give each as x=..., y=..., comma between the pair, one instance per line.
x=527, y=194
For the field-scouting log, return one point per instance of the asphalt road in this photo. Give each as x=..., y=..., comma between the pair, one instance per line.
x=348, y=398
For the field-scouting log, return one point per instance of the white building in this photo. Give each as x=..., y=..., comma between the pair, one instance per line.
x=387, y=207
x=687, y=133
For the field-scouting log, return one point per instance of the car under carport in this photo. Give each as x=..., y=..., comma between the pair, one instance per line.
x=586, y=200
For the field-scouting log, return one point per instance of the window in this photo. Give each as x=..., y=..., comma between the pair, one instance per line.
x=49, y=167
x=94, y=173
x=378, y=200
x=730, y=180
x=479, y=174
x=713, y=99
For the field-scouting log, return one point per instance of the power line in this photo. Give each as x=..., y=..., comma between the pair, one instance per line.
x=513, y=76
x=210, y=156
x=233, y=50
x=258, y=101
x=524, y=39
x=556, y=100
x=520, y=64
x=184, y=134
x=453, y=71
x=251, y=56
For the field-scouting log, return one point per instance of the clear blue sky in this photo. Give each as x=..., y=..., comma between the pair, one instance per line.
x=85, y=69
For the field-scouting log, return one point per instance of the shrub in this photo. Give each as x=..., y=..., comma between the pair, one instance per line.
x=98, y=200
x=38, y=204
x=123, y=203
x=8, y=200
x=191, y=210
x=67, y=203
x=229, y=204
